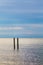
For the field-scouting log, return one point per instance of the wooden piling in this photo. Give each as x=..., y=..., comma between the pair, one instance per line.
x=17, y=43
x=14, y=43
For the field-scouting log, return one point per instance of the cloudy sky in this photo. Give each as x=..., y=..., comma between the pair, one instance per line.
x=21, y=18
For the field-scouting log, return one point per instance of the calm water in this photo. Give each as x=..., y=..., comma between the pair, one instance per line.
x=30, y=52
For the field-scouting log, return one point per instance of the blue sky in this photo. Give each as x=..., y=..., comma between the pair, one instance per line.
x=25, y=17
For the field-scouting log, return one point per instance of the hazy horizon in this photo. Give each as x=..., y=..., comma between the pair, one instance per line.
x=22, y=40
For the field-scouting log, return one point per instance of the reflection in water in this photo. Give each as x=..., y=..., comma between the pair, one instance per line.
x=28, y=54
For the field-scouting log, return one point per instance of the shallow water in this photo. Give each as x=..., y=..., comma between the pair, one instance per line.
x=28, y=54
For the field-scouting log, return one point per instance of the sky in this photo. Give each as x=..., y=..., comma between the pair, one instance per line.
x=21, y=18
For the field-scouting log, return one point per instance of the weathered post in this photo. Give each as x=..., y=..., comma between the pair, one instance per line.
x=17, y=43
x=14, y=43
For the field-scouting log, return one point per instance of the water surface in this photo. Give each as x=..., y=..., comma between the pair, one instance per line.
x=30, y=52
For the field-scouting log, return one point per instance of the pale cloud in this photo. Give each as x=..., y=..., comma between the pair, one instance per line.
x=22, y=29
x=7, y=2
x=29, y=1
x=11, y=28
x=5, y=18
x=20, y=26
x=21, y=10
x=36, y=25
x=20, y=6
x=26, y=25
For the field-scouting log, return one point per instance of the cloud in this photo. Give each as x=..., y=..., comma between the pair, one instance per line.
x=17, y=6
x=11, y=28
x=22, y=29
x=29, y=11
x=20, y=26
x=7, y=2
